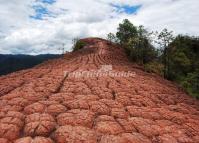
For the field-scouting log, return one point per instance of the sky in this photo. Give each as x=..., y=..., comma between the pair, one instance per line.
x=43, y=26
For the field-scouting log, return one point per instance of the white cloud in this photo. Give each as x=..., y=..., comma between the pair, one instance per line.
x=21, y=34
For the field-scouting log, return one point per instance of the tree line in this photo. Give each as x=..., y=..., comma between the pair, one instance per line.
x=175, y=58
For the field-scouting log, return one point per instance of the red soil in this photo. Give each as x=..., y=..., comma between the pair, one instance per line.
x=40, y=105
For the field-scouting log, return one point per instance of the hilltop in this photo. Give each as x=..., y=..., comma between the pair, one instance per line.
x=48, y=103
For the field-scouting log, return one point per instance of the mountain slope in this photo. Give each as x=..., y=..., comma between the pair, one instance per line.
x=50, y=103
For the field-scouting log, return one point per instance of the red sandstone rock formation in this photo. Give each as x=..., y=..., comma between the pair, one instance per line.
x=41, y=105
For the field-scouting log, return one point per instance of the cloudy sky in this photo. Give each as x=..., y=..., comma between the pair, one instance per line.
x=42, y=26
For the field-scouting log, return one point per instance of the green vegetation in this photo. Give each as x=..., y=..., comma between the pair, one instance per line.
x=174, y=58
x=165, y=37
x=111, y=37
x=78, y=44
x=13, y=63
x=136, y=41
x=154, y=67
x=184, y=63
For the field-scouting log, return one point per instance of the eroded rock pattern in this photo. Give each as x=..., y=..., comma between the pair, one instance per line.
x=46, y=104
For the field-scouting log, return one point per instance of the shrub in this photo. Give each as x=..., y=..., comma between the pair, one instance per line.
x=78, y=44
x=154, y=67
x=191, y=84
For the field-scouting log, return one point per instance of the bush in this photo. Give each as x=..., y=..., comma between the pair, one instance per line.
x=191, y=84
x=78, y=45
x=154, y=67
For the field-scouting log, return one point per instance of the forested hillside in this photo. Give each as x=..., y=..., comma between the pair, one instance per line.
x=176, y=58
x=12, y=63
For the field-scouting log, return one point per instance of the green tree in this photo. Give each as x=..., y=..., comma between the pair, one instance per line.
x=147, y=50
x=165, y=37
x=77, y=44
x=126, y=31
x=184, y=62
x=136, y=41
x=111, y=38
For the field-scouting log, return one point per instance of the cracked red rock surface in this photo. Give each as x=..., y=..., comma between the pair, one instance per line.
x=41, y=105
x=39, y=124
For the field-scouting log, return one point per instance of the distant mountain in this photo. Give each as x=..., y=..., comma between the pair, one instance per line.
x=12, y=63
